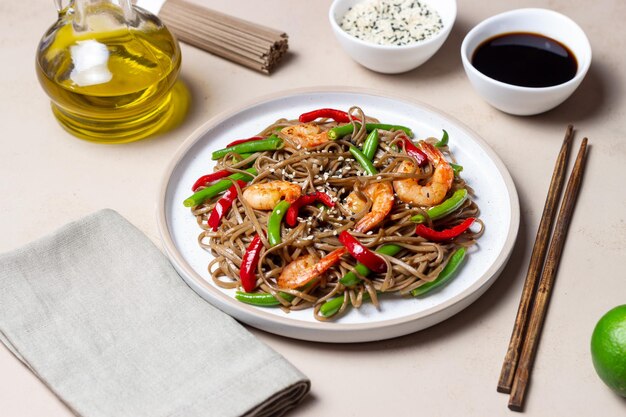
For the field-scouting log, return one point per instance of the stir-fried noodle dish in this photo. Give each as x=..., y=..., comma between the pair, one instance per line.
x=332, y=210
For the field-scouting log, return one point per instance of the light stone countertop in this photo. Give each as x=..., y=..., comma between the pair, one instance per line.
x=48, y=178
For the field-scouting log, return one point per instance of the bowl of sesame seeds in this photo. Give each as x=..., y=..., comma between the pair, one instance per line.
x=392, y=36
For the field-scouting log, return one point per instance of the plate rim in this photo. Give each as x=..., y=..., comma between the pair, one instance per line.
x=331, y=331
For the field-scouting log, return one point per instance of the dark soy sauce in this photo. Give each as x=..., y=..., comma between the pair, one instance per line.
x=525, y=59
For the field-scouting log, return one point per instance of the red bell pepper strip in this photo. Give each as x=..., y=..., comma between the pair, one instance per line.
x=410, y=148
x=361, y=253
x=339, y=116
x=249, y=262
x=439, y=236
x=207, y=179
x=291, y=218
x=223, y=205
x=238, y=141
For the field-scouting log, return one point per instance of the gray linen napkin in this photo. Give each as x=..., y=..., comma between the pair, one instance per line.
x=100, y=316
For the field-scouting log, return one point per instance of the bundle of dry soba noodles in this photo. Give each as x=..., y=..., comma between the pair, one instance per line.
x=328, y=212
x=250, y=44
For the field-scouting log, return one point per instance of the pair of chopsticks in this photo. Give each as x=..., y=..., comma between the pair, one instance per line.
x=539, y=283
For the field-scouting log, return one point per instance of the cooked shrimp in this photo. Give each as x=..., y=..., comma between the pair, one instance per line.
x=306, y=135
x=354, y=203
x=381, y=195
x=434, y=191
x=266, y=195
x=306, y=268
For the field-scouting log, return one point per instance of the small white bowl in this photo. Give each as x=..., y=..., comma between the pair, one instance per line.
x=391, y=59
x=525, y=101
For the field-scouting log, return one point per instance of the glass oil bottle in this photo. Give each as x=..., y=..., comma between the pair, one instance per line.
x=110, y=70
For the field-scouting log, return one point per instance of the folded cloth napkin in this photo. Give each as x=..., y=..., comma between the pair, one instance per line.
x=101, y=317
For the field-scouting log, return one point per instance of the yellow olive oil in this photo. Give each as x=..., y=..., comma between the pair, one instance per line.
x=112, y=85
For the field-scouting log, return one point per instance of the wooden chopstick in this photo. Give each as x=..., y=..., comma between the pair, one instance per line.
x=536, y=262
x=546, y=282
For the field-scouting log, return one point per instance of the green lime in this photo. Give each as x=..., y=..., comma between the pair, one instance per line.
x=608, y=349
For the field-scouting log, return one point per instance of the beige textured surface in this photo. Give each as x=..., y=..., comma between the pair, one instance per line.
x=49, y=178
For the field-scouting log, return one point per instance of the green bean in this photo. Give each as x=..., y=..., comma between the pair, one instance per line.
x=352, y=278
x=262, y=299
x=445, y=275
x=274, y=222
x=269, y=144
x=341, y=131
x=371, y=144
x=212, y=190
x=445, y=208
x=443, y=141
x=362, y=159
x=331, y=307
x=456, y=168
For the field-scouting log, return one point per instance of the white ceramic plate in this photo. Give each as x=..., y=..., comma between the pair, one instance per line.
x=483, y=170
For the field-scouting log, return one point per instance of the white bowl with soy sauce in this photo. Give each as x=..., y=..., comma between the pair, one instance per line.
x=526, y=61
